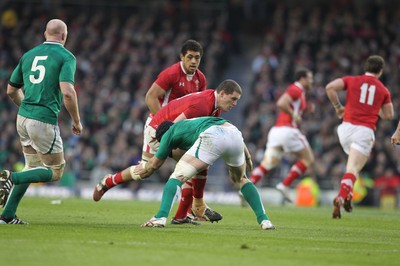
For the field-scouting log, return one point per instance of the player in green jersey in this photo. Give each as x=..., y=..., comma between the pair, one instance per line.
x=206, y=139
x=43, y=78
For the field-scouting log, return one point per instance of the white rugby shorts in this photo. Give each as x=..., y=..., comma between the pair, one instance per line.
x=219, y=141
x=361, y=138
x=289, y=138
x=43, y=137
x=150, y=143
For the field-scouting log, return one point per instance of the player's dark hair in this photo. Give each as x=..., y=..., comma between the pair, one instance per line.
x=374, y=64
x=301, y=73
x=192, y=45
x=162, y=128
x=229, y=86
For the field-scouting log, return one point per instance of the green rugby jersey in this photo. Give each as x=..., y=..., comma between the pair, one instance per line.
x=184, y=134
x=39, y=72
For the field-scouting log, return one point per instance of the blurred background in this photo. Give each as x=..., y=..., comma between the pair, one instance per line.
x=122, y=45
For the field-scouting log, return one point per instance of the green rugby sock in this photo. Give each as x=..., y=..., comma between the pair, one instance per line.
x=34, y=175
x=169, y=192
x=13, y=200
x=251, y=195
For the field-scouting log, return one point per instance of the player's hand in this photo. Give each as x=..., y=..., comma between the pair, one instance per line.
x=395, y=139
x=140, y=168
x=297, y=118
x=143, y=171
x=77, y=128
x=340, y=112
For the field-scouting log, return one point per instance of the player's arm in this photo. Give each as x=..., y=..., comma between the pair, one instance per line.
x=15, y=94
x=71, y=104
x=147, y=169
x=386, y=112
x=395, y=139
x=152, y=98
x=283, y=104
x=332, y=92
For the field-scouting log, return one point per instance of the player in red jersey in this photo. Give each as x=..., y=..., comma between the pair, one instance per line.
x=367, y=99
x=176, y=81
x=285, y=137
x=205, y=103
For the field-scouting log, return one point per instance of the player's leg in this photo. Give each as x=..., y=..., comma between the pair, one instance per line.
x=355, y=162
x=192, y=197
x=9, y=213
x=272, y=157
x=181, y=215
x=150, y=146
x=233, y=155
x=297, y=144
x=306, y=159
x=185, y=169
x=356, y=142
x=250, y=194
x=199, y=207
x=43, y=139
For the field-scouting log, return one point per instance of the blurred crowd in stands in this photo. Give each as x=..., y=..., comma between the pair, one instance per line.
x=121, y=49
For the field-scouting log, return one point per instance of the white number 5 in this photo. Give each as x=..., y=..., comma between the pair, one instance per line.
x=367, y=89
x=37, y=67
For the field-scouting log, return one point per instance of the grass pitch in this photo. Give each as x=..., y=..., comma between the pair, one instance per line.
x=82, y=232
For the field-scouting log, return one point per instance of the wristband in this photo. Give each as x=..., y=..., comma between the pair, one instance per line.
x=337, y=105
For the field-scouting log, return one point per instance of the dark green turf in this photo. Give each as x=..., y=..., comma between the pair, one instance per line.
x=82, y=232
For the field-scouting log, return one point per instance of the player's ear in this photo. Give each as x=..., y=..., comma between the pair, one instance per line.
x=181, y=56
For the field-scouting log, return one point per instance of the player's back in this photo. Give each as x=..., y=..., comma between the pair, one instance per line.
x=298, y=105
x=192, y=105
x=42, y=68
x=184, y=133
x=365, y=97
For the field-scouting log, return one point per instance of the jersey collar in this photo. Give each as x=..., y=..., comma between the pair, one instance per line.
x=215, y=103
x=50, y=42
x=298, y=84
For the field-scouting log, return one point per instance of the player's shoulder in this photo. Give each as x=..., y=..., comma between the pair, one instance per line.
x=200, y=74
x=294, y=88
x=56, y=49
x=68, y=53
x=172, y=69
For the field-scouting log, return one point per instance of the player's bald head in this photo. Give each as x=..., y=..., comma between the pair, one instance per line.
x=56, y=30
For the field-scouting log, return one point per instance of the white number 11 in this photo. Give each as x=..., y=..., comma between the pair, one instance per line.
x=366, y=88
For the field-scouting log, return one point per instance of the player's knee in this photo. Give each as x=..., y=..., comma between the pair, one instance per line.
x=57, y=170
x=236, y=173
x=32, y=161
x=183, y=171
x=203, y=174
x=272, y=158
